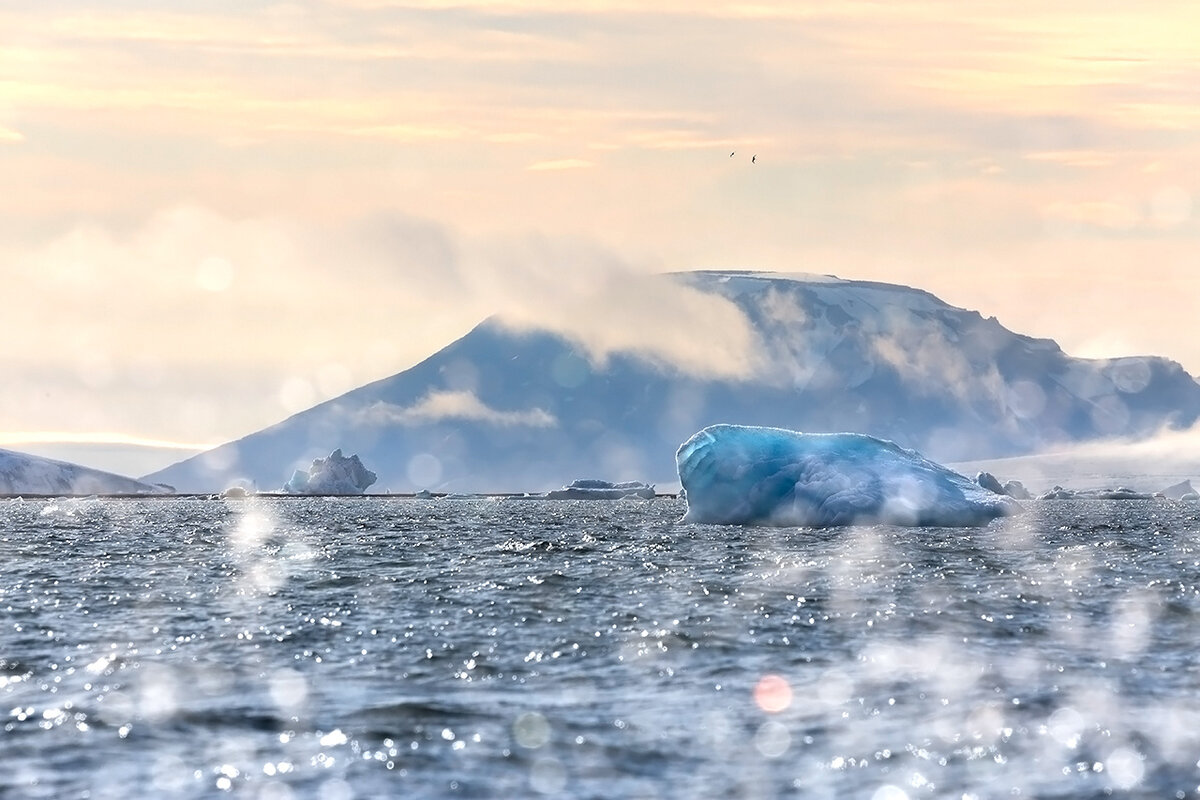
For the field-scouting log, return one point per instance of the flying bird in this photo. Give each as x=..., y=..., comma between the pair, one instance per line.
x=753, y=157
x=731, y=154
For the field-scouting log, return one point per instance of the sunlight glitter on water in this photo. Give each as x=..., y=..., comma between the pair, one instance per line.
x=407, y=650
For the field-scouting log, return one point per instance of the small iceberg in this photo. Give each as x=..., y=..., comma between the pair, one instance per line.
x=1181, y=491
x=334, y=475
x=741, y=475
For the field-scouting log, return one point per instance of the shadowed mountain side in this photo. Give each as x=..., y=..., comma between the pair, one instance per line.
x=505, y=411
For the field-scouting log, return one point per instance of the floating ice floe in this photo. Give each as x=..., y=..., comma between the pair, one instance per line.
x=334, y=475
x=1119, y=493
x=594, y=489
x=740, y=475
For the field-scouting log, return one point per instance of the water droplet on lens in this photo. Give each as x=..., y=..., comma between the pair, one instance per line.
x=531, y=730
x=772, y=739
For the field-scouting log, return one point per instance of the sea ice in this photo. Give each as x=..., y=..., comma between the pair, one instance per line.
x=739, y=475
x=1120, y=493
x=334, y=475
x=595, y=489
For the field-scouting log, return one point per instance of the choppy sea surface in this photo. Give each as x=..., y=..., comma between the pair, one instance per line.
x=382, y=648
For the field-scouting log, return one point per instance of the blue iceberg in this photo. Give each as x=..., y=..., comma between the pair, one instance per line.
x=740, y=475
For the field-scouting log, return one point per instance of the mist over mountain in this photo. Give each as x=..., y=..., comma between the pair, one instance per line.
x=21, y=473
x=522, y=410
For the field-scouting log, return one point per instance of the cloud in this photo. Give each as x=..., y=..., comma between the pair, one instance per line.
x=561, y=163
x=607, y=304
x=1147, y=465
x=1077, y=157
x=1112, y=215
x=17, y=438
x=598, y=299
x=212, y=327
x=1156, y=208
x=10, y=136
x=196, y=326
x=722, y=8
x=928, y=360
x=453, y=405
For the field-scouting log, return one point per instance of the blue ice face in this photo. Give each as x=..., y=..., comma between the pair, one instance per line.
x=740, y=475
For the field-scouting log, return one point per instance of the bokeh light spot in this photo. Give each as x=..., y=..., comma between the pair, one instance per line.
x=548, y=776
x=424, y=470
x=772, y=739
x=569, y=370
x=289, y=690
x=1125, y=768
x=296, y=394
x=531, y=730
x=772, y=694
x=1171, y=206
x=214, y=274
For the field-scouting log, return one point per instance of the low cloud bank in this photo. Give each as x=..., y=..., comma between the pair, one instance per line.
x=608, y=305
x=1147, y=465
x=437, y=406
x=191, y=298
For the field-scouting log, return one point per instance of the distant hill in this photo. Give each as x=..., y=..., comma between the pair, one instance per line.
x=22, y=474
x=502, y=410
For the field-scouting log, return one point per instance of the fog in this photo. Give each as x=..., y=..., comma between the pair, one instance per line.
x=1149, y=465
x=195, y=327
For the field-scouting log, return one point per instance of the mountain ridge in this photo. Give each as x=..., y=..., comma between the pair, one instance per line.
x=507, y=410
x=24, y=474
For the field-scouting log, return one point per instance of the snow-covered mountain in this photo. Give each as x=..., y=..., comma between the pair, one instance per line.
x=22, y=474
x=500, y=410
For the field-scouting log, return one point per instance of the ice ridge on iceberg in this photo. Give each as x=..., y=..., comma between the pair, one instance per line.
x=742, y=475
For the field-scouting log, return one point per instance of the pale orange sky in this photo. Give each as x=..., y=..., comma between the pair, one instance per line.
x=217, y=214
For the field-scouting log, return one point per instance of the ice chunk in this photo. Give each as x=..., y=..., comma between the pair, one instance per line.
x=990, y=482
x=334, y=475
x=741, y=475
x=1179, y=490
x=1014, y=489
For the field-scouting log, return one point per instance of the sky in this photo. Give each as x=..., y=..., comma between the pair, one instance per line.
x=218, y=213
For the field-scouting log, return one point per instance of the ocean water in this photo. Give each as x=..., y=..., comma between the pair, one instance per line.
x=387, y=648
